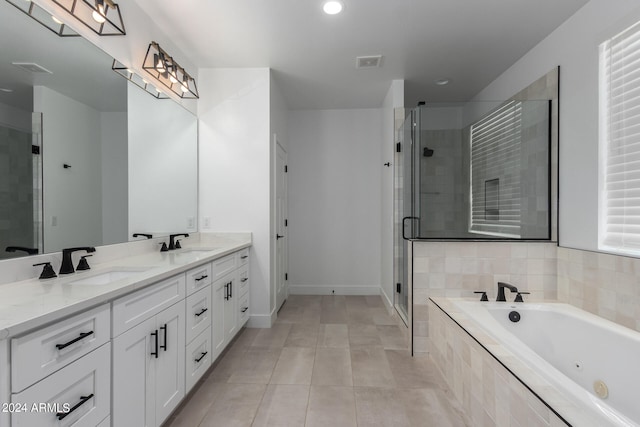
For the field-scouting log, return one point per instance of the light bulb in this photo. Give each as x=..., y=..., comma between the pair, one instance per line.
x=184, y=88
x=172, y=75
x=99, y=15
x=56, y=20
x=159, y=63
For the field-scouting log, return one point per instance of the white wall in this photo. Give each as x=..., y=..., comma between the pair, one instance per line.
x=393, y=99
x=71, y=134
x=234, y=165
x=573, y=46
x=115, y=183
x=163, y=149
x=334, y=201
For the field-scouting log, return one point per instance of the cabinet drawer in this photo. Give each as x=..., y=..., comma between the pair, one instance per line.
x=243, y=310
x=223, y=266
x=198, y=278
x=134, y=308
x=243, y=281
x=41, y=353
x=198, y=313
x=198, y=358
x=84, y=385
x=243, y=257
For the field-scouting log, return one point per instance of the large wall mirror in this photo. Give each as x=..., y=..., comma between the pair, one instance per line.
x=86, y=158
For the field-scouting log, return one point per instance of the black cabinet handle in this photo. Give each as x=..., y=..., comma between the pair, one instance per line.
x=246, y=256
x=155, y=353
x=245, y=309
x=230, y=289
x=201, y=357
x=83, y=400
x=203, y=311
x=201, y=278
x=73, y=341
x=244, y=279
x=164, y=328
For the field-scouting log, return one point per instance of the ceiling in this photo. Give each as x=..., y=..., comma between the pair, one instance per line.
x=313, y=55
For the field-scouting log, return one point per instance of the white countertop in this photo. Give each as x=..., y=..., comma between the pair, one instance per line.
x=32, y=303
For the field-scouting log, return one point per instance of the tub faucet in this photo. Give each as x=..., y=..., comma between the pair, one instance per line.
x=501, y=286
x=67, y=263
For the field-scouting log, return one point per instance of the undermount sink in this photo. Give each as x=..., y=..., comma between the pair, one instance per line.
x=106, y=277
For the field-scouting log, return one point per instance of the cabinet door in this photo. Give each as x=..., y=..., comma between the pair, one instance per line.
x=219, y=292
x=230, y=309
x=133, y=376
x=170, y=368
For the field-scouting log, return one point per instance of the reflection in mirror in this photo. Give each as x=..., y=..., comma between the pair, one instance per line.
x=75, y=190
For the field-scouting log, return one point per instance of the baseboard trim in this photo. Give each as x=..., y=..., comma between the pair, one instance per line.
x=261, y=320
x=387, y=302
x=338, y=290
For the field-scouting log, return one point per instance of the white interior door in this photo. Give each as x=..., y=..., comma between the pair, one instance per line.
x=282, y=240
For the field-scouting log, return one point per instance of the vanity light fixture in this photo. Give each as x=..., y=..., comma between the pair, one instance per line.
x=137, y=80
x=167, y=71
x=50, y=22
x=100, y=16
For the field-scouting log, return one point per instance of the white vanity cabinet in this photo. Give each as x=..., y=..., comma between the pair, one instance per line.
x=148, y=358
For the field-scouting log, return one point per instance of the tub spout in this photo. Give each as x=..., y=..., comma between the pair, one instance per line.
x=501, y=286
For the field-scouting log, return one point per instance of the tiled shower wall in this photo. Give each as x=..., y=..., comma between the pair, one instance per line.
x=604, y=284
x=456, y=269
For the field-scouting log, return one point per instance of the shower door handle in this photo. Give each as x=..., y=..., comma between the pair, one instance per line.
x=404, y=236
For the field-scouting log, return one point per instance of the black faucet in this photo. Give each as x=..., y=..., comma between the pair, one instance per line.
x=148, y=236
x=501, y=286
x=67, y=262
x=172, y=243
x=30, y=251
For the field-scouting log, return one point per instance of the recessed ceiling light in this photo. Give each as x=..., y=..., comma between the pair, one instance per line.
x=332, y=7
x=442, y=82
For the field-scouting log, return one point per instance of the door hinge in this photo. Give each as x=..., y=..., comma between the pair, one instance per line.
x=286, y=222
x=399, y=288
x=286, y=168
x=286, y=276
x=398, y=147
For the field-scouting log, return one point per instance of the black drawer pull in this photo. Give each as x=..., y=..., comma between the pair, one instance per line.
x=73, y=341
x=203, y=311
x=83, y=399
x=244, y=257
x=245, y=309
x=201, y=357
x=201, y=278
x=155, y=334
x=244, y=279
x=230, y=289
x=164, y=346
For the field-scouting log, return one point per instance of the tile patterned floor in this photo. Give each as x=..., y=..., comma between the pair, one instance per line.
x=336, y=361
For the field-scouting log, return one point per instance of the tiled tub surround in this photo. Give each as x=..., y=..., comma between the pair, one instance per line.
x=27, y=302
x=488, y=380
x=456, y=269
x=603, y=284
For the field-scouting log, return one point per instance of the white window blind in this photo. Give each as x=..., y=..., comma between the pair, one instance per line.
x=495, y=172
x=620, y=142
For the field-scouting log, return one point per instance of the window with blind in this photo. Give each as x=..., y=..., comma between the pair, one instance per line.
x=620, y=142
x=496, y=173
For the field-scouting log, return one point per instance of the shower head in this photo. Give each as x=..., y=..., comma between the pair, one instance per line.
x=427, y=152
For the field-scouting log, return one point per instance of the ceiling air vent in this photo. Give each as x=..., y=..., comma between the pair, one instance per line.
x=369, y=61
x=32, y=67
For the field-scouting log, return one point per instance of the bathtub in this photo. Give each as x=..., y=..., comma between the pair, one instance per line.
x=591, y=362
